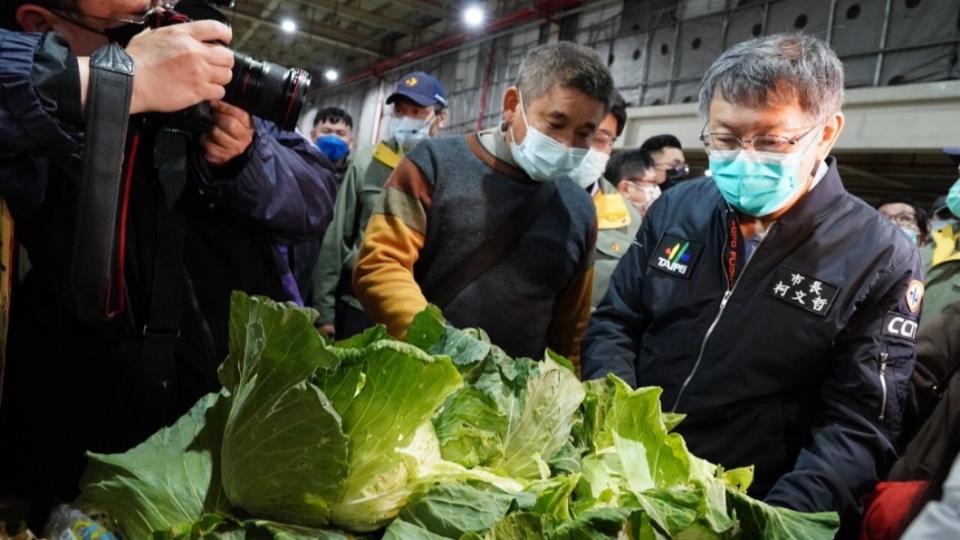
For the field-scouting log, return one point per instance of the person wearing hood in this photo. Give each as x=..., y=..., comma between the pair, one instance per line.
x=419, y=113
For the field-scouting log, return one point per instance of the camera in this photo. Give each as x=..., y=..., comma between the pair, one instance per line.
x=261, y=88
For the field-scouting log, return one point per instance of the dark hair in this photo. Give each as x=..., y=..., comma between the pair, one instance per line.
x=566, y=64
x=659, y=142
x=334, y=115
x=8, y=10
x=618, y=108
x=767, y=69
x=628, y=163
x=922, y=218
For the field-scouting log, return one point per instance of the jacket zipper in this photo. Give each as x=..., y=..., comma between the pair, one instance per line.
x=883, y=384
x=723, y=306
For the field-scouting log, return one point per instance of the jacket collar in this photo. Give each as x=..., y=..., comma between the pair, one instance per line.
x=820, y=202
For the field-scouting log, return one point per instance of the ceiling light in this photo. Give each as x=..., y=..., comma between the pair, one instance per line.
x=288, y=26
x=473, y=16
x=331, y=75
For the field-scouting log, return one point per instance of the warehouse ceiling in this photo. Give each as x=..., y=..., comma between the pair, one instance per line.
x=347, y=35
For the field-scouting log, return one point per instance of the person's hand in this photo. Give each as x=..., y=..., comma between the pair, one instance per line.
x=328, y=330
x=231, y=135
x=175, y=68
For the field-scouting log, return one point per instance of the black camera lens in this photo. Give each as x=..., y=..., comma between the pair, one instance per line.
x=268, y=90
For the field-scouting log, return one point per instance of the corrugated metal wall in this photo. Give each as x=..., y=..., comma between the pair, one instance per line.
x=658, y=50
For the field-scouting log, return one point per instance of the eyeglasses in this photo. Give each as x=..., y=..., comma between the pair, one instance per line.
x=905, y=219
x=680, y=168
x=761, y=143
x=604, y=139
x=639, y=181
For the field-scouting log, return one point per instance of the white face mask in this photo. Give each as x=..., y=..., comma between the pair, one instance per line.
x=590, y=169
x=541, y=156
x=408, y=131
x=648, y=194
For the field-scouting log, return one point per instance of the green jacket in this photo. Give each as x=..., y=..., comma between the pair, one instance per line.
x=362, y=184
x=942, y=264
x=618, y=222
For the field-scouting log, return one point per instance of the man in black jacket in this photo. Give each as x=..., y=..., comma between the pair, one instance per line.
x=777, y=311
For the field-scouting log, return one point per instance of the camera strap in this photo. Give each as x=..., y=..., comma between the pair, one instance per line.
x=161, y=333
x=96, y=273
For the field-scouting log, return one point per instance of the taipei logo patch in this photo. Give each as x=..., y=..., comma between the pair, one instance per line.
x=803, y=291
x=676, y=256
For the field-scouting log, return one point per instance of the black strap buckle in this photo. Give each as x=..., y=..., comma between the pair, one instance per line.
x=160, y=335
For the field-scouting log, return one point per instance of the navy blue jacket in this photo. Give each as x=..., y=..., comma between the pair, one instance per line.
x=799, y=366
x=84, y=378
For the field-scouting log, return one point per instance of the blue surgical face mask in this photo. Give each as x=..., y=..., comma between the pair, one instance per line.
x=333, y=147
x=757, y=183
x=542, y=157
x=953, y=199
x=912, y=234
x=590, y=169
x=408, y=131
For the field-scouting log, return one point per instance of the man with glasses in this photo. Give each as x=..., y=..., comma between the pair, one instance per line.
x=617, y=220
x=669, y=165
x=905, y=214
x=419, y=113
x=777, y=311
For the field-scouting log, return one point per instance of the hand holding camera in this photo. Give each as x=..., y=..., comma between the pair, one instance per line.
x=179, y=66
x=230, y=136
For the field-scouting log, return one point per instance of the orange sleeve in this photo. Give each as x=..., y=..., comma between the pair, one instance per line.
x=571, y=312
x=383, y=278
x=570, y=316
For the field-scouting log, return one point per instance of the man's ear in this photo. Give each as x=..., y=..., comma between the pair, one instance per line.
x=511, y=98
x=442, y=118
x=33, y=18
x=831, y=132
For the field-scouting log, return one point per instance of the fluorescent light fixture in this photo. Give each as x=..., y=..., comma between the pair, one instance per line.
x=288, y=26
x=474, y=16
x=331, y=75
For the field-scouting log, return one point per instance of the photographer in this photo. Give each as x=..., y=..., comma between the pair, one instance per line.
x=75, y=386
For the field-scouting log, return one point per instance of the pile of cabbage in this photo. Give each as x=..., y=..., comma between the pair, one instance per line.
x=440, y=437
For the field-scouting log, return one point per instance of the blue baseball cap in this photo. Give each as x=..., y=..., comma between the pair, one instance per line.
x=422, y=89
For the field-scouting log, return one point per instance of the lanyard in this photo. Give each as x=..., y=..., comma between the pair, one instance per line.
x=731, y=255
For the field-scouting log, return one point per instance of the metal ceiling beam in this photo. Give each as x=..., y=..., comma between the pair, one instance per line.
x=266, y=12
x=329, y=35
x=368, y=18
x=437, y=9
